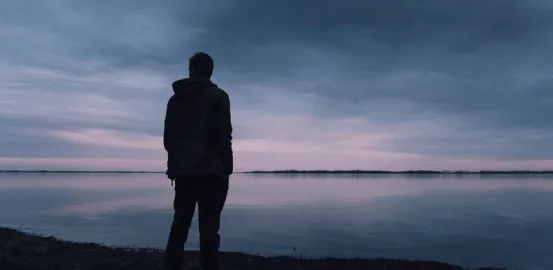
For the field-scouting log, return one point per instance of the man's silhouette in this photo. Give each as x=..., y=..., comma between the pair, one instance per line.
x=198, y=140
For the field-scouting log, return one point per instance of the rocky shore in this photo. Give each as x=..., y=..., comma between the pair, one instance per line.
x=23, y=251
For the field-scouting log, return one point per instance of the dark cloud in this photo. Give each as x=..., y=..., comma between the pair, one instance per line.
x=466, y=79
x=353, y=28
x=479, y=63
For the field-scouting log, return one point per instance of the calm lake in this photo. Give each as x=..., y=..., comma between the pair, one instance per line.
x=469, y=220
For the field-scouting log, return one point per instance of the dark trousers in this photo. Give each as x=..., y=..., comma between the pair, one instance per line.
x=210, y=193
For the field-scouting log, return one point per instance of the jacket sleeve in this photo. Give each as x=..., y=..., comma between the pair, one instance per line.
x=168, y=135
x=224, y=132
x=168, y=125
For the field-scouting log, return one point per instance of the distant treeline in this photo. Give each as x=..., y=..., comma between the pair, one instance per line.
x=397, y=172
x=304, y=172
x=65, y=171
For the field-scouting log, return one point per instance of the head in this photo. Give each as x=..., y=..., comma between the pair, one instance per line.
x=200, y=65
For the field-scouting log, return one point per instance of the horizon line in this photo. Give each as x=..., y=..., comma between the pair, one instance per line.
x=306, y=171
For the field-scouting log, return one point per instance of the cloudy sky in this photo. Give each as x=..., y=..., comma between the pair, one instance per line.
x=350, y=84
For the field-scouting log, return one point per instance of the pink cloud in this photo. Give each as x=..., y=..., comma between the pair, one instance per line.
x=111, y=138
x=295, y=144
x=81, y=164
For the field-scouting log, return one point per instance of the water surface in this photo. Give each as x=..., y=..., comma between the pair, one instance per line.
x=468, y=220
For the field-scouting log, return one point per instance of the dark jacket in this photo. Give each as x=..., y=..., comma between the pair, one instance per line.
x=198, y=130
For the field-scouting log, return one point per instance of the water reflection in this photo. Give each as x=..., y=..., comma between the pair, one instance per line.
x=465, y=220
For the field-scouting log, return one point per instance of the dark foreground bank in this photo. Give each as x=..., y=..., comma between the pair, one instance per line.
x=20, y=251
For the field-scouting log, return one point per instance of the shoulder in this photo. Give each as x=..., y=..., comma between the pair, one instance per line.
x=171, y=100
x=222, y=93
x=219, y=94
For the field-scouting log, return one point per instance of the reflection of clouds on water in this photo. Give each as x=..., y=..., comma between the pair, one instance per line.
x=463, y=220
x=97, y=194
x=93, y=182
x=93, y=209
x=458, y=227
x=271, y=190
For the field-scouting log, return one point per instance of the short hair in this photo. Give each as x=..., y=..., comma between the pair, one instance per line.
x=201, y=64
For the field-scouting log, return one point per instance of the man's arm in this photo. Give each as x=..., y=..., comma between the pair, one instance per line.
x=168, y=135
x=168, y=125
x=224, y=132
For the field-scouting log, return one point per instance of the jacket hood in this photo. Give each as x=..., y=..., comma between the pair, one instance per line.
x=190, y=86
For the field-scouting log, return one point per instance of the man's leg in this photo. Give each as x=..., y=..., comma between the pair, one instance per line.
x=210, y=205
x=184, y=204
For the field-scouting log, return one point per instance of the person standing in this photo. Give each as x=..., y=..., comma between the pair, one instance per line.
x=198, y=140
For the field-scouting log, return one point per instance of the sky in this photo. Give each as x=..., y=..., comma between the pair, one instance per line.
x=350, y=84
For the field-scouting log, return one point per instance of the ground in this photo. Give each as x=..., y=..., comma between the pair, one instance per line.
x=22, y=251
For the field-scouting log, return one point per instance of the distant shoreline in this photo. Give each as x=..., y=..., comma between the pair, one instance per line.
x=366, y=172
x=424, y=172
x=68, y=171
